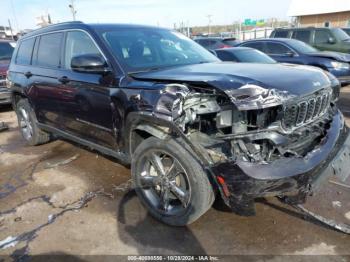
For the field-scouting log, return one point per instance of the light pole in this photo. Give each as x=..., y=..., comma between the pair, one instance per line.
x=72, y=9
x=209, y=22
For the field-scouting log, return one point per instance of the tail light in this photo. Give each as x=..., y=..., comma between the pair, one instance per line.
x=225, y=46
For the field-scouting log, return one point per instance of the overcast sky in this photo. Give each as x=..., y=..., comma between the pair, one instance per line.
x=165, y=13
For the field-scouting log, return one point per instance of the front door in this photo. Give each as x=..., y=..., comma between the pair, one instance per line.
x=87, y=113
x=282, y=53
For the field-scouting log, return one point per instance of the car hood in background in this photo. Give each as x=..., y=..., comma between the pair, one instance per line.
x=342, y=57
x=295, y=79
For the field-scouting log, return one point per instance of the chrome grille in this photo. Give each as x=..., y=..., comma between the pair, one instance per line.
x=306, y=110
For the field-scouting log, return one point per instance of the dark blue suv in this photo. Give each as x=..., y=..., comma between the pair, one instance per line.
x=293, y=51
x=192, y=128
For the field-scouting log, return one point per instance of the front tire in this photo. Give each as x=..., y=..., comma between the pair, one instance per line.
x=27, y=124
x=170, y=182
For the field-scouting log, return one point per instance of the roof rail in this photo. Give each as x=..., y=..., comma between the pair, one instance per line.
x=63, y=23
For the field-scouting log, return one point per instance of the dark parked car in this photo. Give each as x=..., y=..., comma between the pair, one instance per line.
x=212, y=43
x=297, y=52
x=192, y=127
x=243, y=55
x=6, y=50
x=327, y=39
x=347, y=30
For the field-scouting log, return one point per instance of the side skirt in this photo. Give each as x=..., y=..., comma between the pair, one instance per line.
x=104, y=150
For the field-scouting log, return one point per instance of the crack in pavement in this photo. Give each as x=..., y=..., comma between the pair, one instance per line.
x=29, y=236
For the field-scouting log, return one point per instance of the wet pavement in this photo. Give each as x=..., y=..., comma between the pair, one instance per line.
x=59, y=198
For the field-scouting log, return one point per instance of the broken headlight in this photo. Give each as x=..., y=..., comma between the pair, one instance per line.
x=250, y=96
x=171, y=100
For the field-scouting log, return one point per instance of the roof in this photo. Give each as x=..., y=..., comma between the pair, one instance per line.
x=81, y=25
x=284, y=40
x=238, y=48
x=314, y=7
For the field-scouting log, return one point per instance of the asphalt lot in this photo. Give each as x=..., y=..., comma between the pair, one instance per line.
x=61, y=199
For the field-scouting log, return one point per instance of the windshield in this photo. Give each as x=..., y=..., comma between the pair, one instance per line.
x=302, y=47
x=253, y=56
x=6, y=51
x=340, y=34
x=143, y=49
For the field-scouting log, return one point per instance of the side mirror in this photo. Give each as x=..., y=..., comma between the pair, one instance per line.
x=213, y=52
x=89, y=63
x=331, y=41
x=290, y=54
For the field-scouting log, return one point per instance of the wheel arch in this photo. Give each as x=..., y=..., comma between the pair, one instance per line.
x=16, y=96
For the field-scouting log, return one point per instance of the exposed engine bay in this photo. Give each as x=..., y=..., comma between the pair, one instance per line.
x=251, y=123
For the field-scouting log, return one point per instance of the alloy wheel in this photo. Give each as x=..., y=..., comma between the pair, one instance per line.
x=164, y=183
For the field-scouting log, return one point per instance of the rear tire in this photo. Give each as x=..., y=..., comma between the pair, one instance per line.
x=27, y=124
x=160, y=166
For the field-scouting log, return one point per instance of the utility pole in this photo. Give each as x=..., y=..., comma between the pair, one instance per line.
x=14, y=14
x=13, y=37
x=72, y=9
x=209, y=22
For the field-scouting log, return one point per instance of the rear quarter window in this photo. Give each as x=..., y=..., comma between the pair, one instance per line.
x=25, y=51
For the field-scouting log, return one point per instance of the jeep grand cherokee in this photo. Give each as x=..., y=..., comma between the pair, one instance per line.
x=192, y=127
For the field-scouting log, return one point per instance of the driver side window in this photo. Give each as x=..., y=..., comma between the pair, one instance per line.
x=78, y=43
x=322, y=37
x=277, y=49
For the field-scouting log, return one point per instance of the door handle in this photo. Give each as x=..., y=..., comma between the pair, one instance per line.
x=28, y=74
x=64, y=80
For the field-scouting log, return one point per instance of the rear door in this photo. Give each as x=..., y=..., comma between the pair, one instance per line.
x=20, y=64
x=44, y=86
x=87, y=111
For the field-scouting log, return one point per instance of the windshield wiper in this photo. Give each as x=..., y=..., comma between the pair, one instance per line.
x=146, y=70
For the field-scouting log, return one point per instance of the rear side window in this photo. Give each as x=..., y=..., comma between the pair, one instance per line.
x=49, y=50
x=281, y=34
x=256, y=45
x=276, y=49
x=322, y=37
x=25, y=50
x=302, y=35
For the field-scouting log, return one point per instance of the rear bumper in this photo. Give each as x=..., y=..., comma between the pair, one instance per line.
x=285, y=177
x=5, y=96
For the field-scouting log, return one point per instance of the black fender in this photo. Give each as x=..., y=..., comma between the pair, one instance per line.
x=161, y=128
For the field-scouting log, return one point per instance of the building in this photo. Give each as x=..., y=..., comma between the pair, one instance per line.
x=320, y=13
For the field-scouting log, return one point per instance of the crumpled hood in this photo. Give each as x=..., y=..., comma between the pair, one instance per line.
x=341, y=57
x=294, y=79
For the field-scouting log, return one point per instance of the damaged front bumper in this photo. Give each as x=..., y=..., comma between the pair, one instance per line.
x=241, y=182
